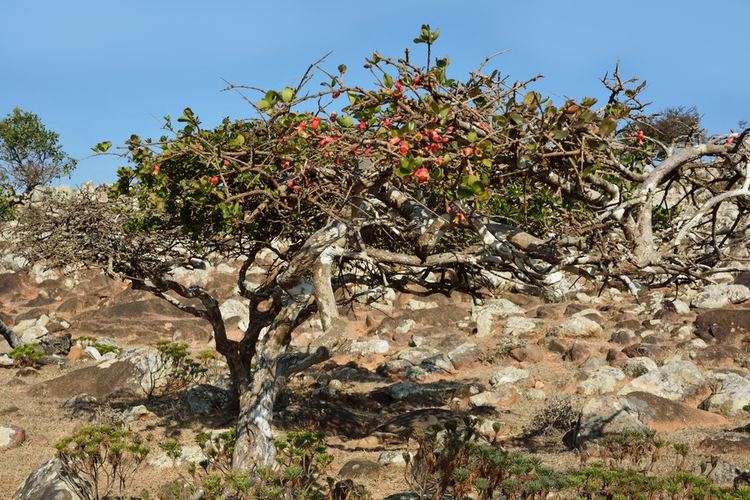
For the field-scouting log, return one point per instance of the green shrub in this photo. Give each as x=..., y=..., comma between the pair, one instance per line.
x=27, y=355
x=105, y=455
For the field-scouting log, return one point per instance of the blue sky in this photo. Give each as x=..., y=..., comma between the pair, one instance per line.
x=102, y=70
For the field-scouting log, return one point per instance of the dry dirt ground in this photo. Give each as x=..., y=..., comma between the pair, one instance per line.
x=346, y=397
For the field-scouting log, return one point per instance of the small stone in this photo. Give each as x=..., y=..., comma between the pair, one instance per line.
x=93, y=353
x=509, y=375
x=486, y=314
x=359, y=468
x=578, y=326
x=518, y=325
x=731, y=397
x=624, y=337
x=602, y=380
x=369, y=346
x=136, y=413
x=11, y=437
x=464, y=355
x=635, y=367
x=393, y=457
x=404, y=390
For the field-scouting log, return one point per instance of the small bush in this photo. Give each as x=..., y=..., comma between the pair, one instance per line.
x=174, y=368
x=27, y=355
x=557, y=415
x=105, y=455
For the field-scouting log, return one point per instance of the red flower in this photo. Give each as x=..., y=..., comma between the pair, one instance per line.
x=387, y=123
x=403, y=148
x=368, y=152
x=333, y=115
x=315, y=123
x=434, y=147
x=226, y=163
x=156, y=169
x=422, y=175
x=730, y=140
x=325, y=141
x=399, y=86
x=641, y=136
x=285, y=164
x=362, y=125
x=302, y=125
x=214, y=180
x=416, y=79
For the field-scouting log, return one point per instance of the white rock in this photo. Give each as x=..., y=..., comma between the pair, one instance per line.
x=509, y=375
x=715, y=296
x=601, y=380
x=519, y=325
x=486, y=314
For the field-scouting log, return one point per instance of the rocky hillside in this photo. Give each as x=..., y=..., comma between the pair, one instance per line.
x=549, y=379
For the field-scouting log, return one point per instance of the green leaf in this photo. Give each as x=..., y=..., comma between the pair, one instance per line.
x=471, y=136
x=352, y=98
x=436, y=173
x=607, y=126
x=287, y=94
x=237, y=141
x=517, y=118
x=345, y=121
x=387, y=80
x=342, y=68
x=561, y=134
x=102, y=147
x=263, y=104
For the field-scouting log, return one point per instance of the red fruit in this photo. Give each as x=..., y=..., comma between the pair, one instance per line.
x=333, y=115
x=315, y=123
x=422, y=175
x=434, y=147
x=325, y=141
x=156, y=169
x=439, y=160
x=302, y=126
x=730, y=140
x=285, y=164
x=362, y=126
x=387, y=122
x=399, y=86
x=393, y=141
x=226, y=163
x=214, y=180
x=641, y=136
x=291, y=185
x=403, y=148
x=336, y=95
x=416, y=80
x=368, y=152
x=459, y=218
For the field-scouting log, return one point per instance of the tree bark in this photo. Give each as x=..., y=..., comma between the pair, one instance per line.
x=9, y=335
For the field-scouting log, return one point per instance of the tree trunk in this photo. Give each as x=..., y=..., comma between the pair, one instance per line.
x=254, y=445
x=9, y=335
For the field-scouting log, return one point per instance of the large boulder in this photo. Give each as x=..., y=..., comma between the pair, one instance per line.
x=677, y=380
x=724, y=326
x=720, y=295
x=53, y=481
x=731, y=397
x=136, y=372
x=639, y=411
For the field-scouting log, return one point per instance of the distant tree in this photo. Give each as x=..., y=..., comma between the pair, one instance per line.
x=30, y=155
x=675, y=126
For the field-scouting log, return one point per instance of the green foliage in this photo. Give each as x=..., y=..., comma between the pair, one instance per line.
x=85, y=340
x=106, y=456
x=30, y=155
x=174, y=368
x=27, y=354
x=7, y=211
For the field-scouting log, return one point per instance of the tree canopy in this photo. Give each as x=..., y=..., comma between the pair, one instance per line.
x=30, y=154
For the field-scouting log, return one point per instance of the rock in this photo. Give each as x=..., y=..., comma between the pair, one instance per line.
x=404, y=390
x=518, y=325
x=464, y=355
x=415, y=355
x=359, y=468
x=56, y=344
x=82, y=405
x=403, y=496
x=53, y=481
x=369, y=346
x=724, y=326
x=676, y=380
x=716, y=296
x=136, y=413
x=393, y=457
x=602, y=380
x=190, y=454
x=403, y=328
x=11, y=437
x=578, y=352
x=6, y=360
x=206, y=398
x=93, y=353
x=135, y=372
x=732, y=396
x=635, y=367
x=624, y=337
x=577, y=327
x=509, y=375
x=486, y=314
x=531, y=353
x=639, y=411
x=437, y=364
x=722, y=474
x=77, y=353
x=503, y=397
x=734, y=443
x=234, y=308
